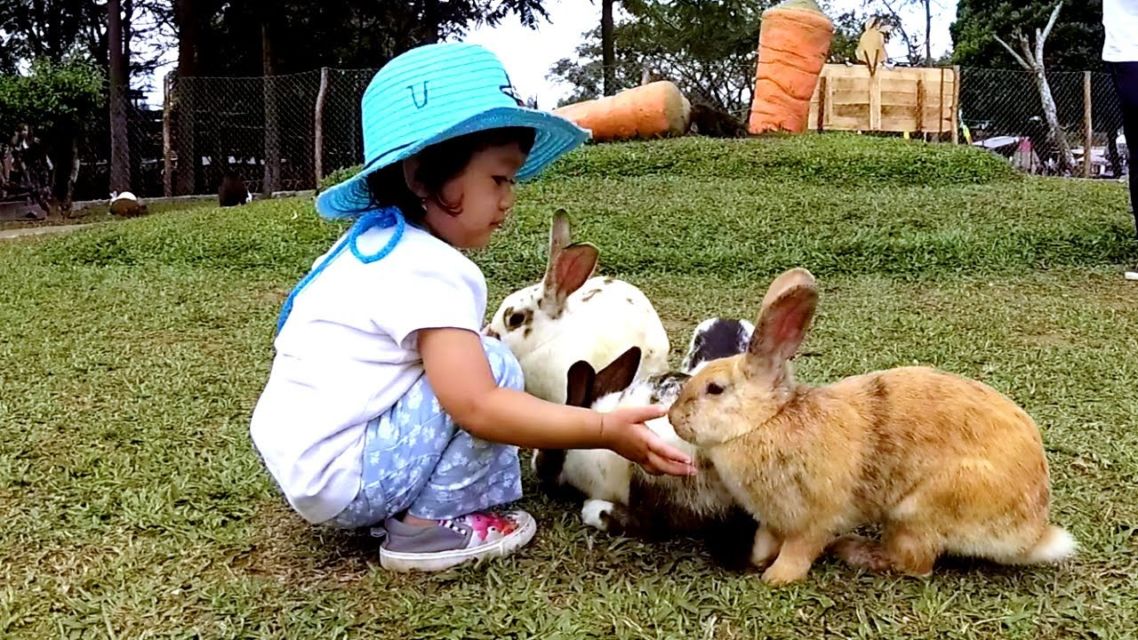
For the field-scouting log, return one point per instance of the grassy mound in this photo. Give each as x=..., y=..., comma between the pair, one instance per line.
x=836, y=204
x=834, y=158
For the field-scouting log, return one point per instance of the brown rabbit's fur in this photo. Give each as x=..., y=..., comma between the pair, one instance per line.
x=945, y=464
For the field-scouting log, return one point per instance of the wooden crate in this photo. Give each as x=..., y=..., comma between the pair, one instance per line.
x=904, y=99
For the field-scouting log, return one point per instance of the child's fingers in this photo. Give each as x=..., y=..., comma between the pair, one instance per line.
x=657, y=464
x=668, y=453
x=643, y=414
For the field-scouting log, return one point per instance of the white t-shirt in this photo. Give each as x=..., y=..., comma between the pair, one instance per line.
x=347, y=352
x=1120, y=21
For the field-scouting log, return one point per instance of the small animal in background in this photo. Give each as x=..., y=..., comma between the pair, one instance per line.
x=871, y=44
x=233, y=191
x=126, y=205
x=716, y=338
x=617, y=496
x=945, y=464
x=571, y=315
x=714, y=122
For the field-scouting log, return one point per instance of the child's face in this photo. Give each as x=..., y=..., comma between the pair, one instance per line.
x=484, y=192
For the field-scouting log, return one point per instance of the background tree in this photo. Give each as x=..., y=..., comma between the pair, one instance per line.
x=1030, y=57
x=118, y=60
x=707, y=47
x=1075, y=43
x=46, y=113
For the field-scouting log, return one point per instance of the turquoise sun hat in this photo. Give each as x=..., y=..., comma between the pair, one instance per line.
x=435, y=92
x=419, y=98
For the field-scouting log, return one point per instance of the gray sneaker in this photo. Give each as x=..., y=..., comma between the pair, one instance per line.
x=1132, y=275
x=454, y=541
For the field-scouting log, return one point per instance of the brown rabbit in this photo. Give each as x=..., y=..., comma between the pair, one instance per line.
x=943, y=463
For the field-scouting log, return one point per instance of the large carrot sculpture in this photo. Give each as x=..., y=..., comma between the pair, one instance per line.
x=794, y=40
x=656, y=109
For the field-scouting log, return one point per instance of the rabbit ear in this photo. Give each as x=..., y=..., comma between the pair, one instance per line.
x=787, y=309
x=579, y=384
x=618, y=374
x=573, y=266
x=558, y=239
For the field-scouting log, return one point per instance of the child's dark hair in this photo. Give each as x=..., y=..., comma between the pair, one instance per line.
x=439, y=164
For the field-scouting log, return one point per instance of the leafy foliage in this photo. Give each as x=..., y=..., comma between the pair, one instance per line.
x=707, y=47
x=1075, y=44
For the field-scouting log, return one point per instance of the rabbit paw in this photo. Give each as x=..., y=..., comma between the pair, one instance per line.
x=595, y=513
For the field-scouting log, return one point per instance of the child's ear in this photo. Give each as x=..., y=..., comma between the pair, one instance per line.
x=410, y=170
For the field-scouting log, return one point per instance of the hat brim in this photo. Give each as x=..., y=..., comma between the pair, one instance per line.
x=555, y=136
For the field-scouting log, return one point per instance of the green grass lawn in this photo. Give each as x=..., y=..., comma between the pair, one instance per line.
x=133, y=504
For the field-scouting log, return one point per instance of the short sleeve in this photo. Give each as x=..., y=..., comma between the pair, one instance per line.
x=435, y=298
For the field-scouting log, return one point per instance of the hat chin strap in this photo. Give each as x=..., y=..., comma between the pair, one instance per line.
x=378, y=218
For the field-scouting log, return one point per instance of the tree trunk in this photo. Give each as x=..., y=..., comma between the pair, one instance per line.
x=928, y=35
x=1032, y=60
x=167, y=138
x=431, y=20
x=182, y=95
x=318, y=128
x=72, y=176
x=608, y=53
x=64, y=154
x=1051, y=115
x=272, y=125
x=30, y=156
x=120, y=140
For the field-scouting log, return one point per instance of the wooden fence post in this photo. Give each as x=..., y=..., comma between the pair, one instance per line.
x=874, y=102
x=167, y=138
x=318, y=147
x=920, y=128
x=955, y=116
x=822, y=102
x=1088, y=125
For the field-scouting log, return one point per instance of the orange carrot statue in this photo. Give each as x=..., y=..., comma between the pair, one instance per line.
x=656, y=109
x=794, y=40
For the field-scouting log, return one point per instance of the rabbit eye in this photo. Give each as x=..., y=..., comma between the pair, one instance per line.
x=515, y=320
x=714, y=389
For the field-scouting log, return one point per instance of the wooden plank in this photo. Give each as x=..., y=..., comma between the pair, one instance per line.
x=897, y=100
x=821, y=104
x=1088, y=125
x=940, y=121
x=875, y=103
x=954, y=109
x=318, y=114
x=167, y=138
x=920, y=128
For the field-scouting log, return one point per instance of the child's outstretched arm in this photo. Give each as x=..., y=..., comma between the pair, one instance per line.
x=460, y=376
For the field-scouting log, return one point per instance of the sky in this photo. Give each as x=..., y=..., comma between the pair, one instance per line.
x=528, y=53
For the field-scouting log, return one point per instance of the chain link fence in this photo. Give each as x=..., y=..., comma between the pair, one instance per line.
x=283, y=133
x=1001, y=110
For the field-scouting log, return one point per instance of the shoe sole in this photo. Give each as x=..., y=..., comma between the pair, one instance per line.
x=441, y=560
x=1132, y=275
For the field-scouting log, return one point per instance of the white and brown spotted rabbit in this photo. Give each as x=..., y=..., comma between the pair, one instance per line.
x=618, y=496
x=946, y=465
x=571, y=316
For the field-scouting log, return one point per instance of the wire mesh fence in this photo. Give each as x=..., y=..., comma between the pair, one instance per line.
x=1002, y=110
x=284, y=133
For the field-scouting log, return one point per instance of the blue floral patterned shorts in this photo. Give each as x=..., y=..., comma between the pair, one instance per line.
x=416, y=459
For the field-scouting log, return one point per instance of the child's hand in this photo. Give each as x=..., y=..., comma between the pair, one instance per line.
x=625, y=433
